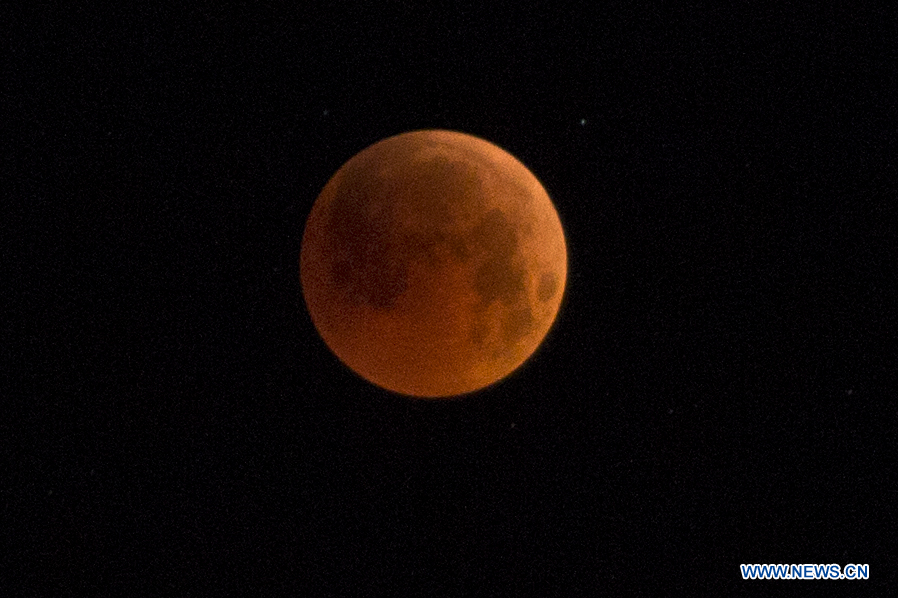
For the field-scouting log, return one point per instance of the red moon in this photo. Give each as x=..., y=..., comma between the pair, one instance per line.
x=433, y=263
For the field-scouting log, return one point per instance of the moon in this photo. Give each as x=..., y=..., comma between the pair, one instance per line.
x=433, y=263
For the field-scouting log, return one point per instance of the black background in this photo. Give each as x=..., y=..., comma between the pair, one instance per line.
x=716, y=389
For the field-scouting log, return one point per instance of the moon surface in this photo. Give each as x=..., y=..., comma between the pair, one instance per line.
x=433, y=263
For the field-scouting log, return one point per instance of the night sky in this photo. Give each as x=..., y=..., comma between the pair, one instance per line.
x=716, y=390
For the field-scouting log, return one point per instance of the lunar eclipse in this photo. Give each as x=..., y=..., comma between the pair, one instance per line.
x=433, y=263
